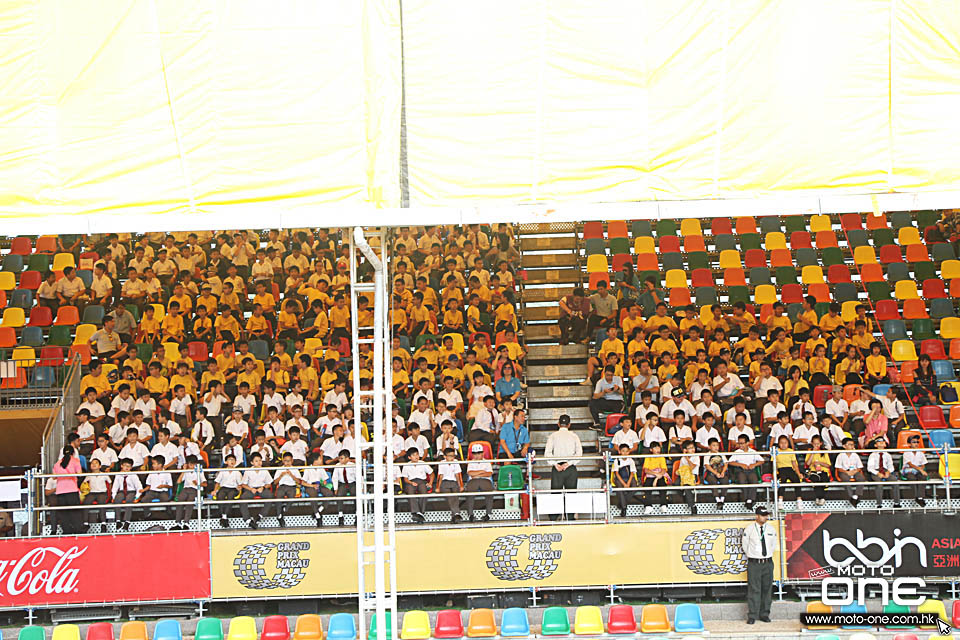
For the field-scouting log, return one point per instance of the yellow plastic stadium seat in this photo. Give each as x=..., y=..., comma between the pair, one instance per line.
x=812, y=274
x=134, y=630
x=690, y=227
x=159, y=312
x=13, y=317
x=676, y=278
x=312, y=345
x=171, y=352
x=66, y=632
x=818, y=607
x=8, y=281
x=25, y=356
x=864, y=255
x=107, y=368
x=588, y=621
x=242, y=628
x=775, y=240
x=820, y=223
x=906, y=290
x=84, y=332
x=416, y=626
x=653, y=619
x=644, y=244
x=597, y=264
x=848, y=311
x=730, y=259
x=909, y=235
x=950, y=328
x=904, y=351
x=309, y=627
x=931, y=605
x=954, y=460
x=934, y=636
x=949, y=269
x=765, y=294
x=63, y=260
x=457, y=341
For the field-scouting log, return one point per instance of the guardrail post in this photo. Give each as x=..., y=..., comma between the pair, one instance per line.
x=30, y=498
x=606, y=493
x=946, y=476
x=199, y=498
x=532, y=521
x=774, y=484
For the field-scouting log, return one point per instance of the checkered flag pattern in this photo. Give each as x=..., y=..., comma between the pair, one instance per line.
x=502, y=561
x=697, y=553
x=248, y=569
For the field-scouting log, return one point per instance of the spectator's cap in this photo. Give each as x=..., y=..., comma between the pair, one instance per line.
x=677, y=392
x=207, y=285
x=564, y=420
x=477, y=448
x=237, y=410
x=761, y=511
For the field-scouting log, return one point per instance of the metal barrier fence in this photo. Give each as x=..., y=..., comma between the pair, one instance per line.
x=29, y=383
x=68, y=399
x=517, y=487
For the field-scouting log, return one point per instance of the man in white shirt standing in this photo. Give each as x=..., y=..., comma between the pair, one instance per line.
x=759, y=540
x=564, y=445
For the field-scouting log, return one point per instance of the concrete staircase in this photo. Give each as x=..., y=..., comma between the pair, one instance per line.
x=550, y=258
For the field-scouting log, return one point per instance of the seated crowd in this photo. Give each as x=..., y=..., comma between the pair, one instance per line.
x=234, y=351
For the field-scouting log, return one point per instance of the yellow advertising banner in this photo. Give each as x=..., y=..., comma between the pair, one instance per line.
x=320, y=564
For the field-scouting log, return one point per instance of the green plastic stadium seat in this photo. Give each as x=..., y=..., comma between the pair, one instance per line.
x=209, y=629
x=510, y=478
x=555, y=622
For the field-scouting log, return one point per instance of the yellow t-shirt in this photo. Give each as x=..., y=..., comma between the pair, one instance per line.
x=186, y=381
x=614, y=345
x=630, y=324
x=690, y=347
x=663, y=345
x=156, y=384
x=280, y=378
x=876, y=366
x=805, y=320
x=257, y=324
x=186, y=304
x=173, y=325
x=265, y=300
x=252, y=378
x=339, y=318
x=100, y=383
x=654, y=323
x=829, y=324
x=819, y=365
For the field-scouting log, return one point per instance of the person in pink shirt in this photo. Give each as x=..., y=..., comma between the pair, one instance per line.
x=68, y=490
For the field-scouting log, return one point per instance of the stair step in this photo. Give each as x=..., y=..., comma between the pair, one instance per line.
x=543, y=483
x=549, y=260
x=534, y=314
x=588, y=439
x=541, y=372
x=533, y=243
x=546, y=294
x=550, y=415
x=556, y=351
x=541, y=332
x=553, y=275
x=564, y=392
x=547, y=227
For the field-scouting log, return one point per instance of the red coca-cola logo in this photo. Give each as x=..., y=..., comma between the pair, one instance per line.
x=32, y=572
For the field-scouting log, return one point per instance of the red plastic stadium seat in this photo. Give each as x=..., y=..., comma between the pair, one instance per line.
x=956, y=614
x=619, y=260
x=449, y=624
x=791, y=293
x=613, y=423
x=669, y=244
x=746, y=225
x=886, y=310
x=955, y=288
x=838, y=273
x=820, y=291
x=21, y=246
x=620, y=619
x=755, y=258
x=931, y=417
x=598, y=277
x=721, y=226
x=67, y=315
x=8, y=337
x=890, y=253
x=955, y=349
x=826, y=239
x=735, y=277
x=933, y=348
x=701, y=278
x=30, y=280
x=40, y=317
x=693, y=243
x=592, y=230
x=933, y=289
x=801, y=240
x=871, y=272
x=275, y=628
x=850, y=221
x=198, y=351
x=100, y=631
x=51, y=357
x=821, y=393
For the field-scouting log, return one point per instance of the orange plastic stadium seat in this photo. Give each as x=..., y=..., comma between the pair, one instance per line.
x=917, y=253
x=876, y=221
x=481, y=624
x=693, y=244
x=653, y=619
x=46, y=244
x=617, y=229
x=746, y=225
x=596, y=278
x=309, y=626
x=134, y=630
x=871, y=272
x=680, y=297
x=67, y=315
x=781, y=258
x=819, y=291
x=734, y=277
x=826, y=239
x=913, y=309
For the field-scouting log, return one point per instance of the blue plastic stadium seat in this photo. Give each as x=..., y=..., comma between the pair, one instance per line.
x=514, y=623
x=941, y=437
x=944, y=370
x=168, y=630
x=854, y=608
x=687, y=618
x=342, y=627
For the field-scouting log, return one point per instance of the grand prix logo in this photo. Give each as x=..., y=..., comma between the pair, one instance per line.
x=248, y=566
x=502, y=556
x=698, y=552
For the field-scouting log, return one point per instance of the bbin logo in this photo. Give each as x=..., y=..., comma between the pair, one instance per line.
x=28, y=574
x=248, y=566
x=542, y=557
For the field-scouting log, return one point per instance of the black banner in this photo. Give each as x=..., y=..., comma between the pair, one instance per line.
x=821, y=545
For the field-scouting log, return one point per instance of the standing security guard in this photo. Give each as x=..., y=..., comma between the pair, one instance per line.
x=759, y=541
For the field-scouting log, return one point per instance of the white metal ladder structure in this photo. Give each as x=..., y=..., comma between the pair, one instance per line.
x=376, y=547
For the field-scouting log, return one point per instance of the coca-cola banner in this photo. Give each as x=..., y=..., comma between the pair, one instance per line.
x=92, y=569
x=889, y=545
